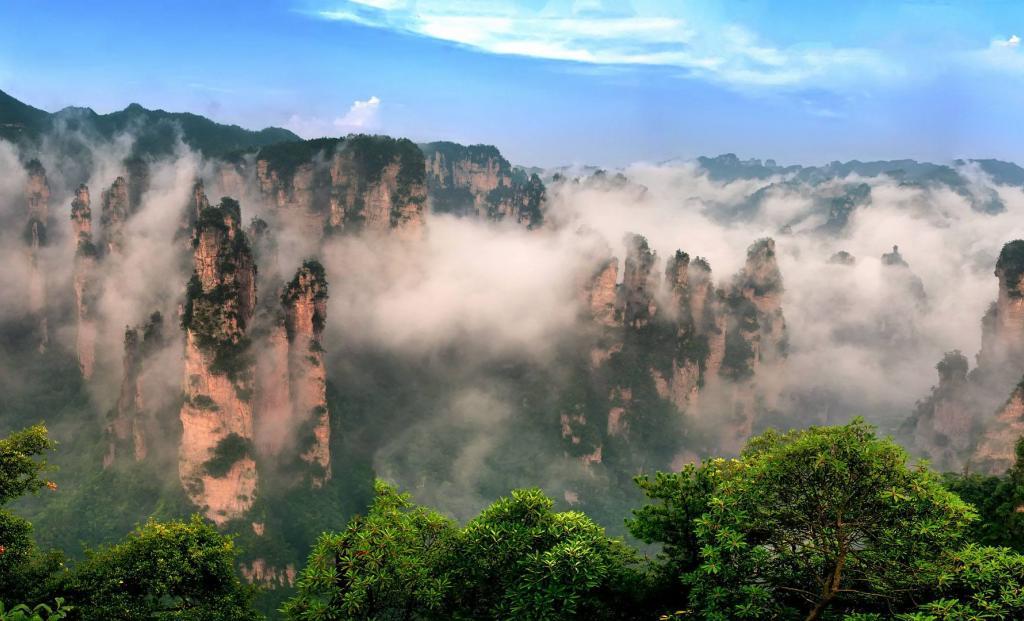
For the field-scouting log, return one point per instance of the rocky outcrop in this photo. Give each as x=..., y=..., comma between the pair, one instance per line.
x=903, y=278
x=114, y=214
x=361, y=183
x=600, y=293
x=965, y=422
x=273, y=406
x=84, y=281
x=944, y=425
x=270, y=577
x=216, y=465
x=995, y=452
x=1002, y=336
x=305, y=305
x=37, y=194
x=638, y=284
x=760, y=282
x=477, y=181
x=131, y=419
x=671, y=340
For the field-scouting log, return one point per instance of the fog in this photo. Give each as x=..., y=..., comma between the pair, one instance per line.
x=473, y=299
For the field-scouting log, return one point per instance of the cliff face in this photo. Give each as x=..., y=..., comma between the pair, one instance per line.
x=37, y=194
x=671, y=341
x=600, y=294
x=995, y=451
x=113, y=216
x=477, y=181
x=638, y=284
x=305, y=304
x=966, y=422
x=760, y=283
x=131, y=419
x=84, y=280
x=1002, y=337
x=360, y=183
x=215, y=457
x=943, y=425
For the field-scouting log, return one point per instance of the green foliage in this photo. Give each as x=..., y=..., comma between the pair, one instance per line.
x=975, y=582
x=21, y=565
x=999, y=501
x=20, y=466
x=681, y=498
x=41, y=612
x=389, y=564
x=214, y=316
x=173, y=570
x=229, y=450
x=1011, y=264
x=518, y=559
x=284, y=158
x=827, y=518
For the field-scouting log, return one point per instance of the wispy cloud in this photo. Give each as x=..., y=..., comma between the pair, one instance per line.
x=1002, y=54
x=362, y=115
x=586, y=33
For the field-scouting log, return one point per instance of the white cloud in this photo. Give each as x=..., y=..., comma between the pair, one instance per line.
x=1013, y=41
x=361, y=116
x=1001, y=55
x=585, y=33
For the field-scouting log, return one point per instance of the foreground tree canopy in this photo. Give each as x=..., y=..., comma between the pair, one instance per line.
x=824, y=523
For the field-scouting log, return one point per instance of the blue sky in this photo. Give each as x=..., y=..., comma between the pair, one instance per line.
x=551, y=81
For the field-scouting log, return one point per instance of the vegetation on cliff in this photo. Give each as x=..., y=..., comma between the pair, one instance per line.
x=215, y=315
x=1011, y=265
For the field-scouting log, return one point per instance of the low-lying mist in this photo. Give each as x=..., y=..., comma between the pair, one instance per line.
x=431, y=342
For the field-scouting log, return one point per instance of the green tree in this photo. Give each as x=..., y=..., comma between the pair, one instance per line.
x=518, y=559
x=20, y=465
x=826, y=518
x=999, y=501
x=181, y=570
x=680, y=499
x=394, y=563
x=23, y=569
x=521, y=560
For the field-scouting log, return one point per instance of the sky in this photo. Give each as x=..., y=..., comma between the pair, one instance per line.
x=551, y=82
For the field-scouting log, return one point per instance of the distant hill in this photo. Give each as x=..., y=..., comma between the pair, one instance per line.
x=156, y=130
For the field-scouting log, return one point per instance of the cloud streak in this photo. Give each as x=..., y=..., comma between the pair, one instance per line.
x=729, y=53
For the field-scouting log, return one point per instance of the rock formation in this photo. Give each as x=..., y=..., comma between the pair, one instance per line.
x=600, y=294
x=671, y=340
x=216, y=464
x=37, y=194
x=965, y=422
x=114, y=214
x=995, y=452
x=902, y=276
x=84, y=279
x=359, y=183
x=476, y=180
x=944, y=425
x=1002, y=334
x=292, y=418
x=305, y=305
x=760, y=282
x=638, y=284
x=131, y=418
